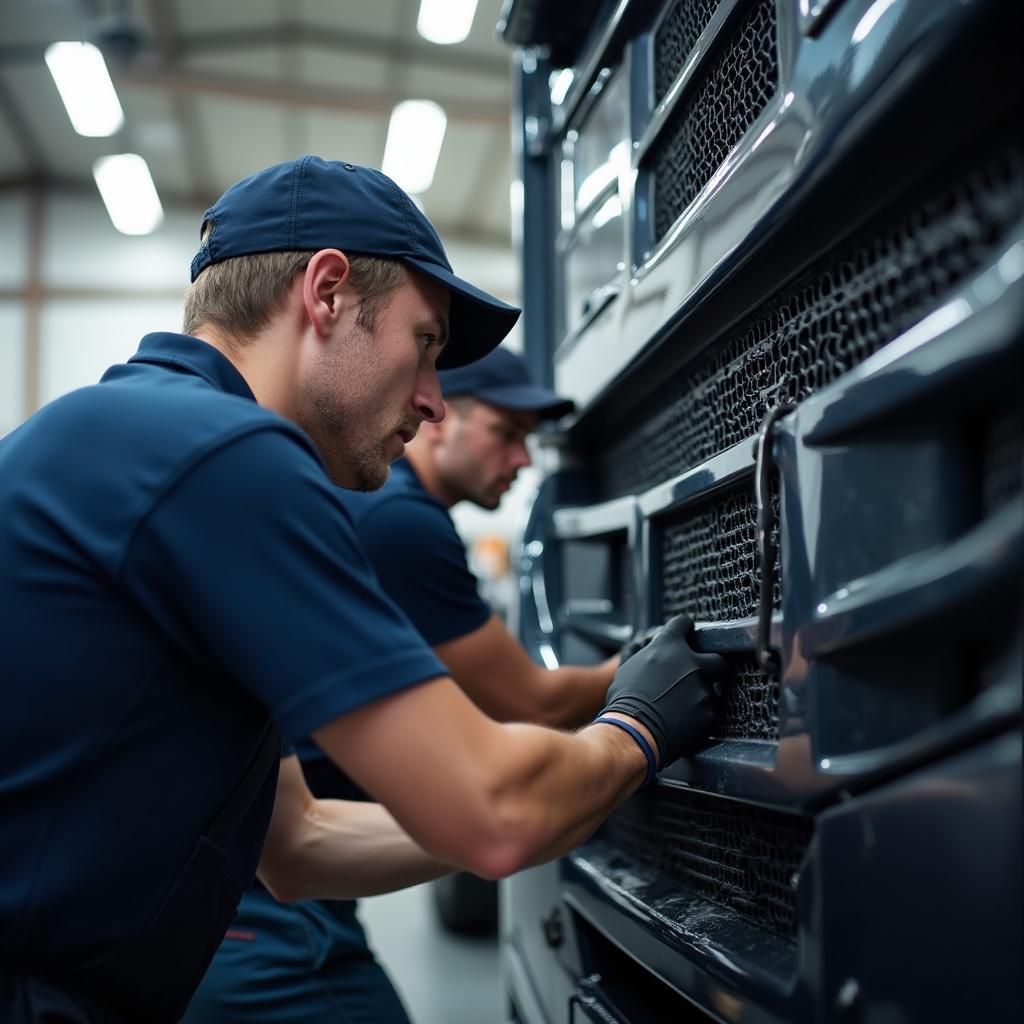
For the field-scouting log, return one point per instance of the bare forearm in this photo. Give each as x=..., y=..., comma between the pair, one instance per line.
x=484, y=796
x=492, y=667
x=576, y=692
x=563, y=789
x=348, y=849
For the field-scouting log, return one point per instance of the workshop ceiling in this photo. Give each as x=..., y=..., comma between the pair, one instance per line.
x=212, y=90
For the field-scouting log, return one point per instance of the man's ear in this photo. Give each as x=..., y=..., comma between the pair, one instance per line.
x=326, y=291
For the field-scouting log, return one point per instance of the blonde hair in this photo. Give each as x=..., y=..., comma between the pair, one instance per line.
x=239, y=295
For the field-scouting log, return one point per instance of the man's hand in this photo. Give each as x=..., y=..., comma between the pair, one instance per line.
x=636, y=643
x=662, y=685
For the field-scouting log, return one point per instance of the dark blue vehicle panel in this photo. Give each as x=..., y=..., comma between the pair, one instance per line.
x=819, y=208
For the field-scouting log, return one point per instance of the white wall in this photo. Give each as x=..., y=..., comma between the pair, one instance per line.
x=82, y=337
x=100, y=291
x=82, y=249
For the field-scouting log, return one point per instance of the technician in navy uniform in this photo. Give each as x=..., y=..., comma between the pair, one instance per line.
x=179, y=584
x=310, y=962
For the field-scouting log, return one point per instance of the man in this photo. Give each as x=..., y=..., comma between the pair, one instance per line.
x=473, y=454
x=179, y=584
x=309, y=962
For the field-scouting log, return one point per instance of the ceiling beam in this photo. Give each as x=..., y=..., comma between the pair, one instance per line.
x=365, y=44
x=52, y=184
x=449, y=58
x=300, y=95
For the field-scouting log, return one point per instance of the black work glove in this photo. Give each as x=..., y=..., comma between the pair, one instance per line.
x=665, y=686
x=637, y=643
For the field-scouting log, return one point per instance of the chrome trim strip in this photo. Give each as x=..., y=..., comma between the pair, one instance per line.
x=695, y=63
x=702, y=480
x=578, y=90
x=578, y=523
x=813, y=14
x=566, y=236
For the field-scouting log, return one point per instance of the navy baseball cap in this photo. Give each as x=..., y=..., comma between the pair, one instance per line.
x=311, y=203
x=501, y=378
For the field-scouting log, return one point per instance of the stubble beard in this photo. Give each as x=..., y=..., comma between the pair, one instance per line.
x=351, y=457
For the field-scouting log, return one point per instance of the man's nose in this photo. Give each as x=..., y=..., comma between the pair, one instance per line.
x=521, y=456
x=427, y=399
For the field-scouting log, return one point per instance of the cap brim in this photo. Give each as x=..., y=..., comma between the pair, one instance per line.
x=477, y=322
x=526, y=398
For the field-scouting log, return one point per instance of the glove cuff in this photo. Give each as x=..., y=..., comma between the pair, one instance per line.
x=641, y=742
x=637, y=709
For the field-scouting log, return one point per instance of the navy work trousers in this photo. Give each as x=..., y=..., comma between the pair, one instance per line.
x=299, y=963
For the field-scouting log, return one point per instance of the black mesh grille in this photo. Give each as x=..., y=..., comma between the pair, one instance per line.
x=1003, y=460
x=704, y=128
x=675, y=39
x=748, y=708
x=848, y=305
x=709, y=564
x=740, y=856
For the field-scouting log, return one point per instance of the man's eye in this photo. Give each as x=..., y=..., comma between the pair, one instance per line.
x=428, y=340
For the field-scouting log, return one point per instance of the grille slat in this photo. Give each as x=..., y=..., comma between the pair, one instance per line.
x=852, y=302
x=675, y=39
x=704, y=129
x=736, y=855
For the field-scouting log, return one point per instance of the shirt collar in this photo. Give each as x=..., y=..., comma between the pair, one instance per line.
x=183, y=352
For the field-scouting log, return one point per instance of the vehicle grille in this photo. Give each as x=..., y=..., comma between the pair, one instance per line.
x=1003, y=459
x=749, y=706
x=737, y=855
x=849, y=304
x=704, y=128
x=675, y=39
x=709, y=558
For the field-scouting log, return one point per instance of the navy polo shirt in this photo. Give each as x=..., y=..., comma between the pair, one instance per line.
x=420, y=560
x=419, y=556
x=175, y=572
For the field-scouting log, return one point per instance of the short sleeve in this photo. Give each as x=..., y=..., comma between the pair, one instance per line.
x=421, y=562
x=250, y=563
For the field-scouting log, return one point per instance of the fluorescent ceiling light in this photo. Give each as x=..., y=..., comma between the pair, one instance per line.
x=445, y=21
x=128, y=193
x=415, y=134
x=84, y=84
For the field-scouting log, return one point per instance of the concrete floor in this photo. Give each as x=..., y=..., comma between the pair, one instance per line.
x=442, y=978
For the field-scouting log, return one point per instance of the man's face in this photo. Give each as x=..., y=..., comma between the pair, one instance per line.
x=367, y=392
x=484, y=448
